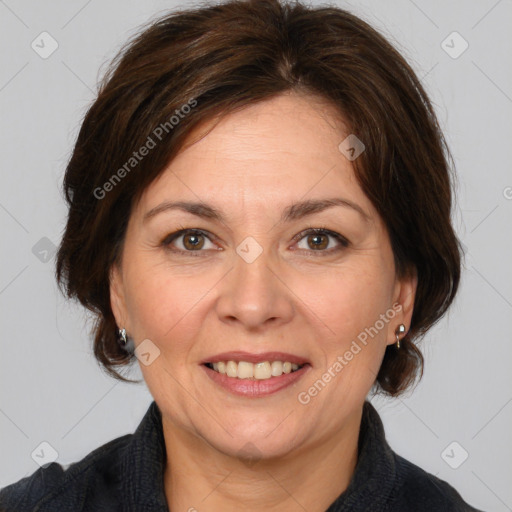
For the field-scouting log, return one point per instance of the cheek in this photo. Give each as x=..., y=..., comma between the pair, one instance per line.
x=346, y=300
x=161, y=302
x=349, y=303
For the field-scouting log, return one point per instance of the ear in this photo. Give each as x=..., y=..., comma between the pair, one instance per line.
x=117, y=296
x=403, y=302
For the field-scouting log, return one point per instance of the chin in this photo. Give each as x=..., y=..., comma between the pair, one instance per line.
x=254, y=443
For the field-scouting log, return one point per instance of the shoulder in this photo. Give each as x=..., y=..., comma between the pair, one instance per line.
x=418, y=490
x=71, y=488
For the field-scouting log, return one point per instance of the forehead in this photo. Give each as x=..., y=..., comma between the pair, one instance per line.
x=269, y=154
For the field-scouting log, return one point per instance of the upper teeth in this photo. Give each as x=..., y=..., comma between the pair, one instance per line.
x=263, y=370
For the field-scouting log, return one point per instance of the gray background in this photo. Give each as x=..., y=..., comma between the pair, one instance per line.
x=50, y=386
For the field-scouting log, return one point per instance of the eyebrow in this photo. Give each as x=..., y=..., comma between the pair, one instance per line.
x=293, y=212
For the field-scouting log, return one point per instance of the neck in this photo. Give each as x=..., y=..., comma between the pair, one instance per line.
x=198, y=477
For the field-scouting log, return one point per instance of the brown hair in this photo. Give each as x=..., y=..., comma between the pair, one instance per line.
x=217, y=59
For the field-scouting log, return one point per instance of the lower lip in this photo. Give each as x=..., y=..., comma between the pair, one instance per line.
x=255, y=388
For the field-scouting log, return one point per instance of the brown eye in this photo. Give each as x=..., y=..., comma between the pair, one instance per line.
x=188, y=241
x=316, y=242
x=321, y=241
x=193, y=241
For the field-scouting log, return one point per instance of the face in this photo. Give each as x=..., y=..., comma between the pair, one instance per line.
x=245, y=276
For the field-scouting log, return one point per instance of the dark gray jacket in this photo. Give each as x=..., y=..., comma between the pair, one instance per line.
x=126, y=474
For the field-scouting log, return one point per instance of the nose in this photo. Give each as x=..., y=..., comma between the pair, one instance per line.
x=254, y=295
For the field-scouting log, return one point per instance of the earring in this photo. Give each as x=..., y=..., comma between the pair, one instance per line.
x=400, y=330
x=122, y=338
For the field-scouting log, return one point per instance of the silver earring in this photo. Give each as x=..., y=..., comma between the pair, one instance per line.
x=400, y=330
x=122, y=338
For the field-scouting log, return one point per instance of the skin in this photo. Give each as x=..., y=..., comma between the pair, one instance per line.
x=293, y=298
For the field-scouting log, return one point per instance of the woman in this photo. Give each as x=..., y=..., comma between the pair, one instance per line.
x=259, y=212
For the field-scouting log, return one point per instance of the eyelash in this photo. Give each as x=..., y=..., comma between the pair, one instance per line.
x=344, y=243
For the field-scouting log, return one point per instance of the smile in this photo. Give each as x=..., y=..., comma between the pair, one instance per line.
x=263, y=370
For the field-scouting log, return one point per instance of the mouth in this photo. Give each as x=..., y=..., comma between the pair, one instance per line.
x=255, y=375
x=262, y=370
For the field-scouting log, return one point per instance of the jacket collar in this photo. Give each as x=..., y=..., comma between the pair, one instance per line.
x=375, y=473
x=144, y=460
x=143, y=466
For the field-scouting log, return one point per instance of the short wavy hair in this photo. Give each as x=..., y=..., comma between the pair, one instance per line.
x=228, y=56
